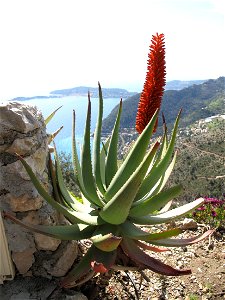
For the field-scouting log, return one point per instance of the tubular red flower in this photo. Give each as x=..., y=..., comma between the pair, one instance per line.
x=151, y=96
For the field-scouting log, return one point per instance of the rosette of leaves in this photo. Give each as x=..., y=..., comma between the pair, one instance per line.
x=117, y=201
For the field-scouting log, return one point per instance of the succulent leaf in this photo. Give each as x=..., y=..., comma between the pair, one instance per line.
x=108, y=242
x=79, y=271
x=117, y=209
x=96, y=144
x=154, y=203
x=77, y=168
x=54, y=134
x=103, y=154
x=86, y=164
x=151, y=248
x=166, y=207
x=56, y=192
x=133, y=251
x=132, y=161
x=167, y=174
x=111, y=158
x=107, y=259
x=158, y=170
x=128, y=229
x=48, y=119
x=75, y=159
x=168, y=216
x=91, y=260
x=72, y=216
x=75, y=205
x=163, y=148
x=164, y=178
x=182, y=242
x=62, y=232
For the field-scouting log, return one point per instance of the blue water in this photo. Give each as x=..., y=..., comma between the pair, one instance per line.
x=64, y=116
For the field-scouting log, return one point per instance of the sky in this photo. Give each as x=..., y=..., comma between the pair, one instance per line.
x=56, y=44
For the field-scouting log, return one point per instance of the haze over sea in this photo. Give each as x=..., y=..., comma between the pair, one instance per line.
x=64, y=116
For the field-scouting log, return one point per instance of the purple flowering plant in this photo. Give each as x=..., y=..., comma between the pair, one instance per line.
x=212, y=212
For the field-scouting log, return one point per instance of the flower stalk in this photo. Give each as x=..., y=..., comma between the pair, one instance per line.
x=151, y=96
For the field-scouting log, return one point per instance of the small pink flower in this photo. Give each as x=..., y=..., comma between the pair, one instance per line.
x=201, y=208
x=214, y=214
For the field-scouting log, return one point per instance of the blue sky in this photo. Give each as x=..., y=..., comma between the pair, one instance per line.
x=56, y=44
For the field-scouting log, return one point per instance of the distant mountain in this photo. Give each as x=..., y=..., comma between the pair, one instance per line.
x=181, y=84
x=33, y=97
x=83, y=91
x=107, y=92
x=197, y=102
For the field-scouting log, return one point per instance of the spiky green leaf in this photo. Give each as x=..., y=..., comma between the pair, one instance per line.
x=182, y=242
x=168, y=216
x=79, y=271
x=76, y=165
x=75, y=205
x=151, y=248
x=154, y=203
x=56, y=193
x=54, y=134
x=48, y=119
x=158, y=170
x=86, y=164
x=94, y=258
x=133, y=251
x=132, y=161
x=103, y=154
x=96, y=144
x=111, y=159
x=74, y=217
x=117, y=209
x=128, y=229
x=108, y=242
x=62, y=232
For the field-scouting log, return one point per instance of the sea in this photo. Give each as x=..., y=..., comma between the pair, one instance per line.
x=63, y=116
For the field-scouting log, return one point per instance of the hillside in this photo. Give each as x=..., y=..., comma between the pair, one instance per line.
x=200, y=165
x=197, y=102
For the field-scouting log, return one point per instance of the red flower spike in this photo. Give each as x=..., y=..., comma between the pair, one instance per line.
x=155, y=81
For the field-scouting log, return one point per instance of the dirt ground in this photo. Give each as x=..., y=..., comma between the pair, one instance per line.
x=207, y=281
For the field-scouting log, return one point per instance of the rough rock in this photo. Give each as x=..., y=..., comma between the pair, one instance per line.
x=44, y=242
x=76, y=296
x=19, y=239
x=32, y=218
x=66, y=261
x=21, y=295
x=22, y=146
x=19, y=118
x=22, y=130
x=189, y=224
x=23, y=260
x=24, y=203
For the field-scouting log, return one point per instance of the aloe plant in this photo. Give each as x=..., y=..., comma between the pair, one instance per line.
x=117, y=202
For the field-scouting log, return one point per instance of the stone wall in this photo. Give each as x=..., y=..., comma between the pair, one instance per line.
x=22, y=131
